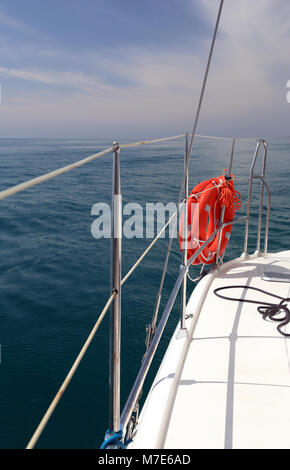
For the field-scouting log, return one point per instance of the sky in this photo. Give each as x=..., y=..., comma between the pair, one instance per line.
x=127, y=68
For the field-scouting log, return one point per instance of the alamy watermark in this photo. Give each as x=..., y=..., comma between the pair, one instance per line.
x=145, y=222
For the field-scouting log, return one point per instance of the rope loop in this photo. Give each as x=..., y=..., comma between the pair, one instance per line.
x=114, y=439
x=267, y=309
x=228, y=195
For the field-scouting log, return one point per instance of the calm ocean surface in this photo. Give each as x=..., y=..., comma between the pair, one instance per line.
x=55, y=277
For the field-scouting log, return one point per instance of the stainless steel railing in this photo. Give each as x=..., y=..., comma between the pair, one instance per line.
x=260, y=143
x=115, y=327
x=147, y=360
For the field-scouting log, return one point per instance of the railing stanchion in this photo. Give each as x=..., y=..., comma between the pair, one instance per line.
x=185, y=224
x=220, y=235
x=115, y=324
x=267, y=220
x=231, y=156
x=259, y=142
x=258, y=249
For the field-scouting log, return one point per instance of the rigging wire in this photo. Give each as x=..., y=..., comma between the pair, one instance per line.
x=151, y=328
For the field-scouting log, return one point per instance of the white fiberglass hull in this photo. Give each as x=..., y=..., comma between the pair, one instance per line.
x=225, y=382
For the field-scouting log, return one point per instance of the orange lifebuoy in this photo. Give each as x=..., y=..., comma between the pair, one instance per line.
x=203, y=217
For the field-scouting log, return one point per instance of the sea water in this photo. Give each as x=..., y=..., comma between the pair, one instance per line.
x=55, y=276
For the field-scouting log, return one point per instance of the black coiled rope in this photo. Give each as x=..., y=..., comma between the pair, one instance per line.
x=266, y=309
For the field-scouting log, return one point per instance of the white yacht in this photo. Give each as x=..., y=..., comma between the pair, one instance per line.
x=224, y=381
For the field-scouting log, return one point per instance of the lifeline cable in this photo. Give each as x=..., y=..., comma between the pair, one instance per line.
x=266, y=309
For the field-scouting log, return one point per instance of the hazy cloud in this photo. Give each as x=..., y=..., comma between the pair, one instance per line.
x=141, y=90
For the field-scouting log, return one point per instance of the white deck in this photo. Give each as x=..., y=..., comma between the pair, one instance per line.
x=227, y=383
